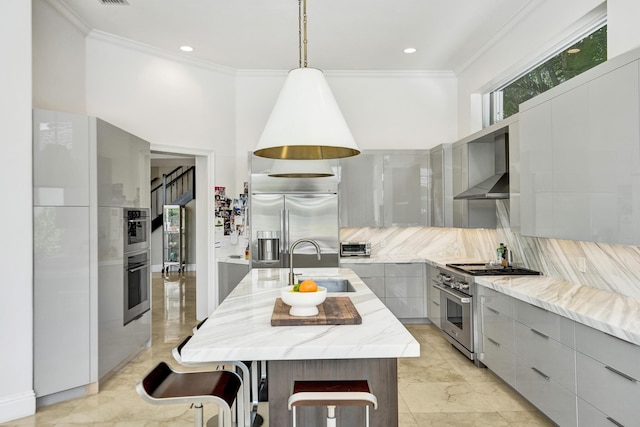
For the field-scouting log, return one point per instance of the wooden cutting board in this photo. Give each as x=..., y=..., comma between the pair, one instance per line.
x=333, y=311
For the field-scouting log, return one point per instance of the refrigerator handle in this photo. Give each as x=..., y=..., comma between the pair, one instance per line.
x=284, y=231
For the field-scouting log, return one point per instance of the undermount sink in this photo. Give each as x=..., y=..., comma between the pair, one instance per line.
x=332, y=284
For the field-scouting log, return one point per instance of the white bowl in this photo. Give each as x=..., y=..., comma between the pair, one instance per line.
x=303, y=303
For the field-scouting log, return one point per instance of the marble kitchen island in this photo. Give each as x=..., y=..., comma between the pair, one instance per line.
x=240, y=329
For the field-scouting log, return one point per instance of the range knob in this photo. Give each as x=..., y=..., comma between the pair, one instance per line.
x=463, y=285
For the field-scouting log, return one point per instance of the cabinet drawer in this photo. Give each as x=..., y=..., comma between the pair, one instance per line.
x=405, y=308
x=608, y=391
x=434, y=293
x=555, y=401
x=500, y=360
x=547, y=355
x=550, y=324
x=497, y=327
x=612, y=351
x=588, y=416
x=403, y=287
x=404, y=270
x=365, y=270
x=496, y=300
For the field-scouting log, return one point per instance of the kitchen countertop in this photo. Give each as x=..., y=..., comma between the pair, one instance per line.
x=609, y=312
x=615, y=314
x=240, y=328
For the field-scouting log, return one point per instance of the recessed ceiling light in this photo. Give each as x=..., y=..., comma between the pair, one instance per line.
x=410, y=50
x=186, y=48
x=573, y=50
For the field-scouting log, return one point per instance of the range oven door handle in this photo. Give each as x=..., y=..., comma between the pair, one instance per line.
x=459, y=298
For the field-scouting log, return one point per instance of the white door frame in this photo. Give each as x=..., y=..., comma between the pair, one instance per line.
x=206, y=266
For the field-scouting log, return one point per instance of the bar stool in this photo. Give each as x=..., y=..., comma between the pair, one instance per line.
x=332, y=394
x=255, y=386
x=239, y=366
x=164, y=386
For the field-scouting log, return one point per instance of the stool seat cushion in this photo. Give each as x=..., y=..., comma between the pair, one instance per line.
x=332, y=393
x=164, y=383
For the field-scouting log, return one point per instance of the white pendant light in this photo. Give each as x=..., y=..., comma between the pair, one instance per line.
x=306, y=122
x=301, y=169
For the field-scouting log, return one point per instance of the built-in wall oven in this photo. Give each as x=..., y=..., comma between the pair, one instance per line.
x=137, y=229
x=137, y=277
x=136, y=263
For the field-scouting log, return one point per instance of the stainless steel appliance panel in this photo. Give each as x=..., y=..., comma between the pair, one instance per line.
x=456, y=318
x=137, y=286
x=309, y=216
x=137, y=229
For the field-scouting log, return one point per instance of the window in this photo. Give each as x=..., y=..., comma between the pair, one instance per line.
x=572, y=61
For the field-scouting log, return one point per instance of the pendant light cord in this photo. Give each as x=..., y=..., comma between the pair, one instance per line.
x=302, y=34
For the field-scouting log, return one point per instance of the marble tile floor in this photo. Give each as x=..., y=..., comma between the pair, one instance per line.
x=441, y=388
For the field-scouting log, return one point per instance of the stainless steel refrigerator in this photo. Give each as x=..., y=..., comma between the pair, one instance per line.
x=283, y=210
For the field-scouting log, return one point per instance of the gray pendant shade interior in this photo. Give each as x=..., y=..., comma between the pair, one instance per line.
x=306, y=122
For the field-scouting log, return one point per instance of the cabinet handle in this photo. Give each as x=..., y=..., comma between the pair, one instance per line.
x=542, y=374
x=496, y=343
x=622, y=374
x=493, y=311
x=540, y=334
x=611, y=420
x=433, y=302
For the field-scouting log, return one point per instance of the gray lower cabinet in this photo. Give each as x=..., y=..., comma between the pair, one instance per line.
x=400, y=286
x=545, y=362
x=555, y=401
x=433, y=307
x=576, y=375
x=229, y=275
x=405, y=292
x=607, y=378
x=497, y=334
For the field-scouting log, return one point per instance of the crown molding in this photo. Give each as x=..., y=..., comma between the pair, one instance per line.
x=162, y=53
x=65, y=11
x=355, y=73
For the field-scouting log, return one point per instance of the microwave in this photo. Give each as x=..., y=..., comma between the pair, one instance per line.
x=355, y=249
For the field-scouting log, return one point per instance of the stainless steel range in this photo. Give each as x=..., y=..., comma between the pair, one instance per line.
x=457, y=292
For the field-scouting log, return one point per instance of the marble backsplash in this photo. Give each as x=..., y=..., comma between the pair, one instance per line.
x=603, y=266
x=608, y=267
x=434, y=243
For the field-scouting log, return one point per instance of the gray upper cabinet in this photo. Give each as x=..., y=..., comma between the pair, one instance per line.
x=360, y=195
x=440, y=191
x=384, y=189
x=580, y=158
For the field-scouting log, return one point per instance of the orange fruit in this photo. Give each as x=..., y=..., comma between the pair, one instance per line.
x=308, y=286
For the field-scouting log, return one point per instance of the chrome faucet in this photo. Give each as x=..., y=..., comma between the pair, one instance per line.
x=293, y=245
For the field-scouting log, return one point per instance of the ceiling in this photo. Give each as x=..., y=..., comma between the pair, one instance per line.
x=342, y=34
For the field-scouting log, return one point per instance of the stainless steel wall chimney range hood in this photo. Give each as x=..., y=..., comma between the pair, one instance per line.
x=497, y=186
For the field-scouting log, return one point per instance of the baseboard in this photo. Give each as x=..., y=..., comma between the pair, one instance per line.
x=17, y=406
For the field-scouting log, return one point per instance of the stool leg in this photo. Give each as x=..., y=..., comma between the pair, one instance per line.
x=367, y=415
x=331, y=416
x=293, y=411
x=198, y=416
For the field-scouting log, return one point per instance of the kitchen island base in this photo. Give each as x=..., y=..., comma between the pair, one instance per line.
x=382, y=375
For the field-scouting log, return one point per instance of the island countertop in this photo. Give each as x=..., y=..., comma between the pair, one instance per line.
x=240, y=328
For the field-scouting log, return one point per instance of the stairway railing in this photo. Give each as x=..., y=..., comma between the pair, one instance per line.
x=178, y=187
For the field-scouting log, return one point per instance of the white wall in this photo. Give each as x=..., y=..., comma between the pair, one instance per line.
x=165, y=99
x=17, y=398
x=404, y=110
x=58, y=73
x=622, y=33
